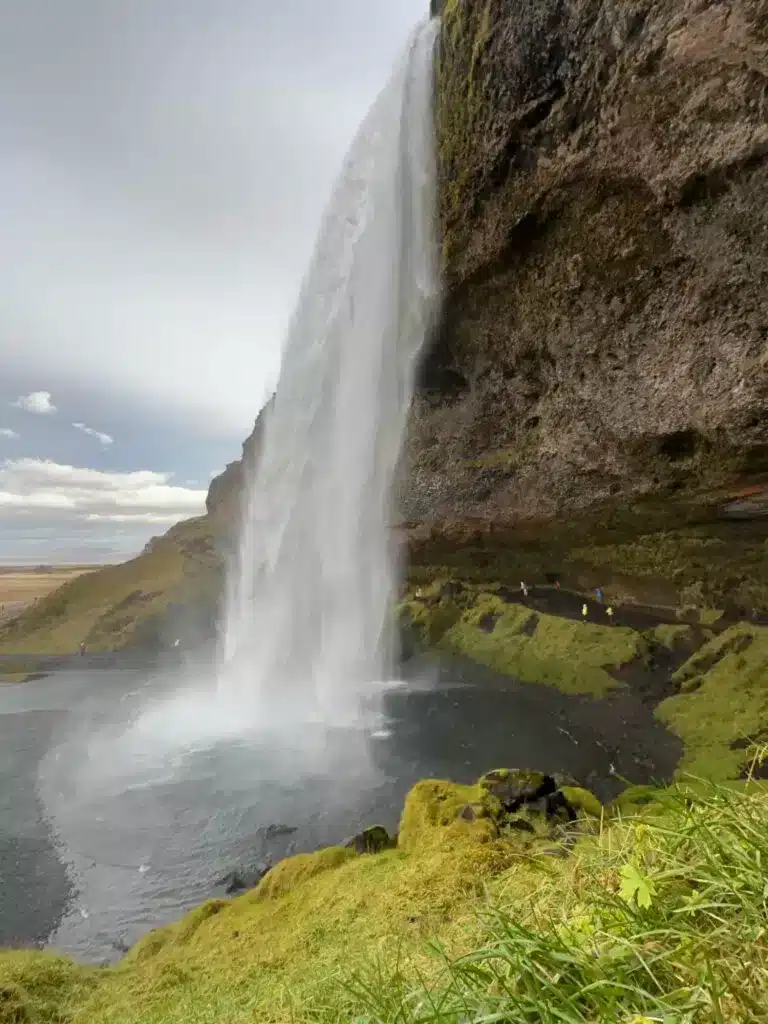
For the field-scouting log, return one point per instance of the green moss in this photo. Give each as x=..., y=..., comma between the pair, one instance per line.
x=671, y=636
x=431, y=806
x=709, y=616
x=582, y=800
x=428, y=623
x=190, y=924
x=726, y=702
x=150, y=945
x=706, y=564
x=295, y=870
x=575, y=657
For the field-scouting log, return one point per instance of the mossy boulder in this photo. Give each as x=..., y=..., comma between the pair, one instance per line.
x=433, y=808
x=371, y=840
x=507, y=803
x=634, y=800
x=520, y=801
x=512, y=787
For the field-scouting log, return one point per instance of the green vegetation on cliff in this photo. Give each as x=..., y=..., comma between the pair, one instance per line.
x=656, y=917
x=126, y=605
x=723, y=702
x=576, y=657
x=716, y=700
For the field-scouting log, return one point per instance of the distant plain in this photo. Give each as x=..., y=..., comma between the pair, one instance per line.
x=20, y=585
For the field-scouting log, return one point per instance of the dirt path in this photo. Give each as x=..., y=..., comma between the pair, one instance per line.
x=568, y=605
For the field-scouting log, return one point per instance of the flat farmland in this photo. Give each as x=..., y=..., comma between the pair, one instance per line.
x=21, y=585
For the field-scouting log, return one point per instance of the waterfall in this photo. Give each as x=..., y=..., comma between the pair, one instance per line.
x=310, y=593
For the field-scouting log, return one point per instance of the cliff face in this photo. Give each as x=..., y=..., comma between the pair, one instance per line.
x=224, y=493
x=604, y=215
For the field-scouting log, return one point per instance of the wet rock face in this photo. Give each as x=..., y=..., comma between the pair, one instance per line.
x=604, y=213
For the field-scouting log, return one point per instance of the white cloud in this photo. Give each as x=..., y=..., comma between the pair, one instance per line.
x=102, y=438
x=38, y=402
x=89, y=495
x=7, y=432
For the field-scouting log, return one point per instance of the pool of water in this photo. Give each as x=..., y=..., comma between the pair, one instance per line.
x=125, y=796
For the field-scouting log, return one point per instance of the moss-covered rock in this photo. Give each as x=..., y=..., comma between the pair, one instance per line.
x=582, y=801
x=575, y=657
x=723, y=701
x=371, y=840
x=431, y=812
x=672, y=636
x=508, y=804
x=512, y=787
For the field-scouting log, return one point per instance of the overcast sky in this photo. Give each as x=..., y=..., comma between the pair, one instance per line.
x=163, y=168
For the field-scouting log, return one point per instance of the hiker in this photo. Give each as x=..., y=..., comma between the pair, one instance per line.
x=584, y=611
x=524, y=589
x=82, y=648
x=557, y=584
x=609, y=613
x=599, y=595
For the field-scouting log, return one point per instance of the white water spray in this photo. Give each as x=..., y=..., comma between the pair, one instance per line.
x=305, y=630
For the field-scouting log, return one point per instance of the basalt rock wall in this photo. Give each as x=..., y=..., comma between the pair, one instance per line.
x=604, y=222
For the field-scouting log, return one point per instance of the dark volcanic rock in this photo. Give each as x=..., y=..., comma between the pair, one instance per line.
x=531, y=802
x=225, y=490
x=371, y=840
x=277, y=830
x=243, y=878
x=604, y=210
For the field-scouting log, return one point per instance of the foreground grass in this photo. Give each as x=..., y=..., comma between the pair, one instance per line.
x=660, y=917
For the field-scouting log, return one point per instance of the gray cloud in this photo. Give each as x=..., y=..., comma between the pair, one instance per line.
x=163, y=170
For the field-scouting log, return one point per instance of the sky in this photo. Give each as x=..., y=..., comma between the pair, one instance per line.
x=164, y=165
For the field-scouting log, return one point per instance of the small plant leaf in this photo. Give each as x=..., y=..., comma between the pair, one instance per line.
x=636, y=887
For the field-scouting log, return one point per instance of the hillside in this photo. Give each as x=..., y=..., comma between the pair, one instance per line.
x=170, y=591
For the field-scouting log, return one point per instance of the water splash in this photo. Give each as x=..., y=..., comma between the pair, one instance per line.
x=305, y=630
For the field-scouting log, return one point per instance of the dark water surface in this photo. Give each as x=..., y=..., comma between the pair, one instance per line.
x=118, y=814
